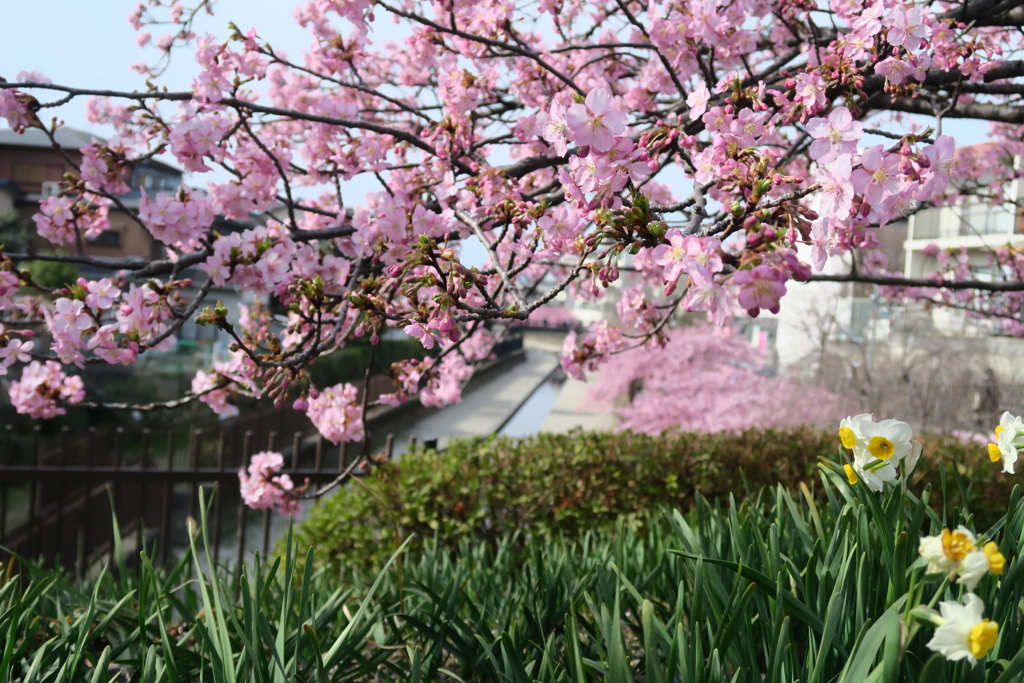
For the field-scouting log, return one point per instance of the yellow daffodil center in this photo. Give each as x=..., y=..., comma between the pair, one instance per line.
x=956, y=545
x=848, y=438
x=999, y=430
x=881, y=447
x=993, y=452
x=982, y=638
x=996, y=561
x=851, y=475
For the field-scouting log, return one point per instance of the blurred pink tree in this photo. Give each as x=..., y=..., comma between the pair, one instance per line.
x=709, y=379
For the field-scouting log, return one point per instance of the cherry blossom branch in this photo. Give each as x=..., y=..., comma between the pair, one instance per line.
x=292, y=114
x=516, y=49
x=513, y=291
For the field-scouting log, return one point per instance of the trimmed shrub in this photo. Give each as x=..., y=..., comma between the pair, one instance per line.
x=566, y=484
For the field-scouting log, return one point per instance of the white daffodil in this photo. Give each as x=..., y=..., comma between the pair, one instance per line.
x=1011, y=423
x=877, y=448
x=874, y=472
x=887, y=440
x=981, y=562
x=851, y=430
x=916, y=448
x=963, y=633
x=1009, y=437
x=946, y=552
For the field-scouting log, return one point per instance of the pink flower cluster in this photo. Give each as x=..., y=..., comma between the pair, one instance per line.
x=12, y=108
x=102, y=169
x=611, y=160
x=14, y=351
x=44, y=389
x=441, y=328
x=60, y=218
x=180, y=219
x=445, y=385
x=263, y=488
x=336, y=413
x=196, y=137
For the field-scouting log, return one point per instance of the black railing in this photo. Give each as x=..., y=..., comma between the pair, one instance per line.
x=57, y=504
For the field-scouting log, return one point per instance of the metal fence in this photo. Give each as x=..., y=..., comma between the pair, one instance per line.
x=57, y=502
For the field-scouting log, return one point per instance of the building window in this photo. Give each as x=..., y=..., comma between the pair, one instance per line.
x=107, y=238
x=154, y=182
x=979, y=218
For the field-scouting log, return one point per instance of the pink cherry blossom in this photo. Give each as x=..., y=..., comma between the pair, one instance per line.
x=838, y=134
x=836, y=196
x=556, y=130
x=908, y=28
x=597, y=123
x=44, y=390
x=698, y=100
x=879, y=175
x=704, y=294
x=264, y=488
x=336, y=414
x=759, y=288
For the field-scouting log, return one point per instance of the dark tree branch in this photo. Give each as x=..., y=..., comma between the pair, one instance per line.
x=896, y=281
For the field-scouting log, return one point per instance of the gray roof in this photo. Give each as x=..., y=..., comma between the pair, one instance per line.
x=68, y=138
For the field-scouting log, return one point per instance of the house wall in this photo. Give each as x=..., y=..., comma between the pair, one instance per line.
x=30, y=166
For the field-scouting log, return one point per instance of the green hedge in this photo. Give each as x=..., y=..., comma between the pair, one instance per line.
x=485, y=489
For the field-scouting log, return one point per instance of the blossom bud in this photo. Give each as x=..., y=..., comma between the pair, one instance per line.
x=657, y=229
x=927, y=616
x=761, y=187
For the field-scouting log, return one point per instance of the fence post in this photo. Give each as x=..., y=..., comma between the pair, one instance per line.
x=35, y=494
x=218, y=497
x=83, y=526
x=193, y=462
x=165, y=521
x=8, y=459
x=271, y=443
x=116, y=491
x=242, y=521
x=58, y=531
x=143, y=457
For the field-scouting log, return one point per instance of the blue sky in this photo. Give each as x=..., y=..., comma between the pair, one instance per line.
x=91, y=44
